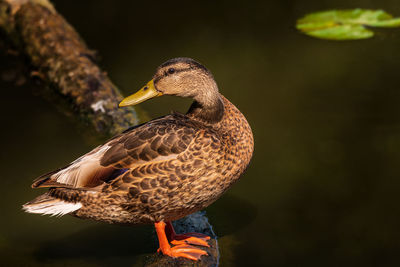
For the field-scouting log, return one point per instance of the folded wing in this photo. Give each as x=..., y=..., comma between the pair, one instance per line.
x=161, y=139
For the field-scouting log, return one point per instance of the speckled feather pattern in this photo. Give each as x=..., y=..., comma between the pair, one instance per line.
x=176, y=165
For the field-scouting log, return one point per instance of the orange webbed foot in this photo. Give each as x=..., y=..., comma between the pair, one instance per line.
x=181, y=242
x=185, y=251
x=188, y=238
x=191, y=238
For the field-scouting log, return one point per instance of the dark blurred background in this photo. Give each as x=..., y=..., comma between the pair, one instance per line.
x=323, y=186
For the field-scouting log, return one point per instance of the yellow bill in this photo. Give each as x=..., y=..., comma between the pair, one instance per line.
x=148, y=91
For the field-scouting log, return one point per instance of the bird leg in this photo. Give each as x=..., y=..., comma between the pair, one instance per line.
x=187, y=238
x=180, y=250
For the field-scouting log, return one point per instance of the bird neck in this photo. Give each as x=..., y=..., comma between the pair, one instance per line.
x=209, y=110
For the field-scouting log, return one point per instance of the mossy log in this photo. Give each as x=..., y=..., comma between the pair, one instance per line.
x=62, y=60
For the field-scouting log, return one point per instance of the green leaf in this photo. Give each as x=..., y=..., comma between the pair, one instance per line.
x=345, y=24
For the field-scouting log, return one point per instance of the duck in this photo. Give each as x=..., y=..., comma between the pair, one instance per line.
x=159, y=171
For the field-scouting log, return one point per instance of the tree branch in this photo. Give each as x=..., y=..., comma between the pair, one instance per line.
x=64, y=62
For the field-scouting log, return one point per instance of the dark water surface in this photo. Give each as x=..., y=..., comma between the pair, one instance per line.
x=323, y=187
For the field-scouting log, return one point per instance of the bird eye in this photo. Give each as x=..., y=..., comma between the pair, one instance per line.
x=171, y=70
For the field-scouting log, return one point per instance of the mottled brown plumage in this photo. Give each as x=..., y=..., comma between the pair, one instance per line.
x=166, y=168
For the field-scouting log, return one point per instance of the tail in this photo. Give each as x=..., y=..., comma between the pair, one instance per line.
x=46, y=204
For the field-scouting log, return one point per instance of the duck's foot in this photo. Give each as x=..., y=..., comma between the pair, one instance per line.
x=188, y=238
x=182, y=249
x=185, y=251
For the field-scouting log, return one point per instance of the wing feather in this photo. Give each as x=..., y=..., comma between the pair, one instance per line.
x=158, y=140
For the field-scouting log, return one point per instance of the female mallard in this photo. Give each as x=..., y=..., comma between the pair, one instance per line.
x=162, y=170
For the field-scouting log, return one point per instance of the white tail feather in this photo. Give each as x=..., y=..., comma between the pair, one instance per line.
x=52, y=208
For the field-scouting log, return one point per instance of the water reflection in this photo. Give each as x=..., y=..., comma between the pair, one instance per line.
x=106, y=245
x=231, y=214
